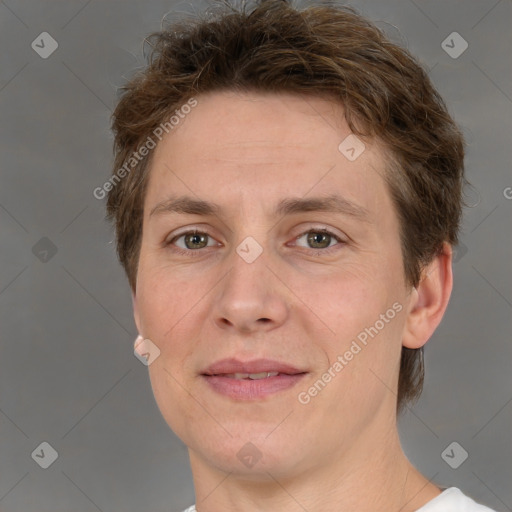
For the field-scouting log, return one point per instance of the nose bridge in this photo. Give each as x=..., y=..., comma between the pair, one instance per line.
x=249, y=297
x=248, y=275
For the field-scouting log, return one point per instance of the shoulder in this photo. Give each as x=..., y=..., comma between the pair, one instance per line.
x=192, y=508
x=453, y=500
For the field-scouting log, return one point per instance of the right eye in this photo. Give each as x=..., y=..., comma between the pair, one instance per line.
x=191, y=241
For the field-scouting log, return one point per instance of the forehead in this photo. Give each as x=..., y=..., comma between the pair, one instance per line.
x=243, y=145
x=270, y=121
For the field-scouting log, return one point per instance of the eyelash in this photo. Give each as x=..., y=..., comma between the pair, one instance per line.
x=316, y=252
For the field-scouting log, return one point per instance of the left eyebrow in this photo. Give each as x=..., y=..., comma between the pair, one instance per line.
x=330, y=204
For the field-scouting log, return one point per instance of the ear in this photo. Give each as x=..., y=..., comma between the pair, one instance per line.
x=136, y=312
x=429, y=300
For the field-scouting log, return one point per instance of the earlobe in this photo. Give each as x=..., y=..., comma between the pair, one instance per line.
x=429, y=300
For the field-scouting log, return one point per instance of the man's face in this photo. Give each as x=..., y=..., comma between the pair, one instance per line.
x=296, y=285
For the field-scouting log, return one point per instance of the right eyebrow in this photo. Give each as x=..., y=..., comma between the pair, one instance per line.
x=185, y=205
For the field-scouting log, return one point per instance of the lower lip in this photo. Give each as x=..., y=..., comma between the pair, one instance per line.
x=248, y=389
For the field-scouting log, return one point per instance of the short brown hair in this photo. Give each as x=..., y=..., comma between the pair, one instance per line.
x=321, y=50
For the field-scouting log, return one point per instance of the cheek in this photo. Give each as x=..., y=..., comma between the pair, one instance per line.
x=352, y=298
x=364, y=360
x=365, y=313
x=164, y=301
x=174, y=404
x=172, y=313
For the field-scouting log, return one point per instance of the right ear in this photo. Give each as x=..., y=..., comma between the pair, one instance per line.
x=136, y=312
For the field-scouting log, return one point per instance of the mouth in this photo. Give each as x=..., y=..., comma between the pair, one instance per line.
x=251, y=376
x=251, y=380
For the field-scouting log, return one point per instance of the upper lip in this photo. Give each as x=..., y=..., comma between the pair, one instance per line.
x=231, y=365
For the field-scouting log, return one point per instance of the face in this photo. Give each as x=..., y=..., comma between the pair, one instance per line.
x=264, y=239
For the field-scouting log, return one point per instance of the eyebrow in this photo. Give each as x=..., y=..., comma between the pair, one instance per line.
x=330, y=204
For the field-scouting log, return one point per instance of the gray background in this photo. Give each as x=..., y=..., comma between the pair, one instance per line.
x=68, y=374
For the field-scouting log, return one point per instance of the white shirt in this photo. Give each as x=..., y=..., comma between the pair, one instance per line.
x=453, y=500
x=450, y=500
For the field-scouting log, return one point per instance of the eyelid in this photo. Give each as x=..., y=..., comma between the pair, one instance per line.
x=187, y=230
x=322, y=228
x=342, y=240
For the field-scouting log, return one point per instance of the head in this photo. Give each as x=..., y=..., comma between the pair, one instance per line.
x=243, y=109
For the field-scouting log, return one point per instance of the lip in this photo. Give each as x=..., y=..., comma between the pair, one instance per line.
x=232, y=365
x=247, y=389
x=218, y=379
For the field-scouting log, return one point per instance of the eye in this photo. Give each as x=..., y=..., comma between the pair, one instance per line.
x=319, y=239
x=192, y=241
x=315, y=240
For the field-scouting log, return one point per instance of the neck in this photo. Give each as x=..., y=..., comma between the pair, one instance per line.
x=371, y=475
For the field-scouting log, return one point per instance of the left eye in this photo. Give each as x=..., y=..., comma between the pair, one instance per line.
x=319, y=239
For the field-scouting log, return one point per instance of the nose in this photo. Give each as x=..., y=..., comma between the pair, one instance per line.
x=250, y=298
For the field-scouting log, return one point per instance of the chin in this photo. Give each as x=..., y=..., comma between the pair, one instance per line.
x=253, y=454
x=250, y=463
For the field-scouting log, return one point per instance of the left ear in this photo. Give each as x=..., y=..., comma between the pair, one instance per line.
x=429, y=300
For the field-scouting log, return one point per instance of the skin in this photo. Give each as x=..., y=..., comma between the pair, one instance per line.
x=298, y=302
